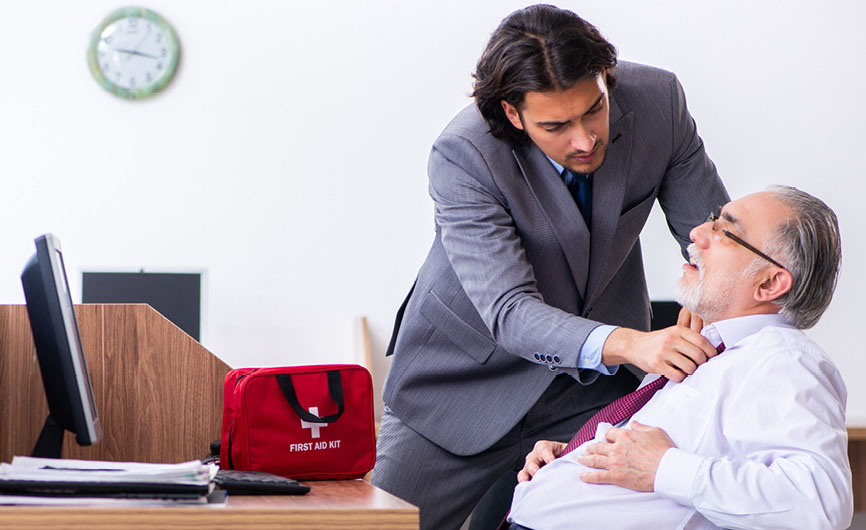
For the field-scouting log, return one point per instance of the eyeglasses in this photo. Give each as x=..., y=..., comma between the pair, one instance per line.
x=712, y=218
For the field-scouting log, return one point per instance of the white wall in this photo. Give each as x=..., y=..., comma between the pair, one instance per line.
x=288, y=156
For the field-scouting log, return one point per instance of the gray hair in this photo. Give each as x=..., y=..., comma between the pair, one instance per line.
x=809, y=246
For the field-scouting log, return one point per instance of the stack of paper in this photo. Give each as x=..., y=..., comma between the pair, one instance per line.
x=55, y=481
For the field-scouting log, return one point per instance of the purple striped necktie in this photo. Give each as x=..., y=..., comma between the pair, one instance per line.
x=619, y=410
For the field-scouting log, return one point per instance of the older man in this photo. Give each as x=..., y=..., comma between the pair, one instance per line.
x=755, y=437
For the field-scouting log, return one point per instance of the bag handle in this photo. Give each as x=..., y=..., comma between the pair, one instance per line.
x=335, y=387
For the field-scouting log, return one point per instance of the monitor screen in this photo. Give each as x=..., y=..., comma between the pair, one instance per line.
x=58, y=347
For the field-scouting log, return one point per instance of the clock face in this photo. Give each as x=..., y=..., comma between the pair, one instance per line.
x=133, y=53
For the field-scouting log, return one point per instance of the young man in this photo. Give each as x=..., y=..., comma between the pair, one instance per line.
x=533, y=291
x=754, y=438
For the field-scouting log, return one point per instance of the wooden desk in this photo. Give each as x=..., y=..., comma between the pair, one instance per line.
x=140, y=366
x=338, y=504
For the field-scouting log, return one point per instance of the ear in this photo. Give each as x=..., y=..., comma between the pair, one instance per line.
x=512, y=114
x=776, y=284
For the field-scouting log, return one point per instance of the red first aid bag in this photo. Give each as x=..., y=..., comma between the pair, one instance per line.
x=303, y=422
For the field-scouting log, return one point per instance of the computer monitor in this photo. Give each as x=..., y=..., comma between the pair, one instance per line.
x=58, y=347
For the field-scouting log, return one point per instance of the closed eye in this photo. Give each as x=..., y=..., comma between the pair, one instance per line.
x=598, y=106
x=555, y=128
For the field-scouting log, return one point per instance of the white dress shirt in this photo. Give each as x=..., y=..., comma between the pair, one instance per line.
x=760, y=443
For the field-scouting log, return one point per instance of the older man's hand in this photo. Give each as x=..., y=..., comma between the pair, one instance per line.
x=542, y=454
x=629, y=458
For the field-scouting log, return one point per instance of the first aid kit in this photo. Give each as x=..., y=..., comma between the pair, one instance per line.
x=302, y=422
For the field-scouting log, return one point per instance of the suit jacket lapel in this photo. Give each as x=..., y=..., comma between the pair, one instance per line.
x=608, y=189
x=559, y=207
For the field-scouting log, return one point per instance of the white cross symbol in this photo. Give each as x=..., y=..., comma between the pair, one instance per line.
x=314, y=427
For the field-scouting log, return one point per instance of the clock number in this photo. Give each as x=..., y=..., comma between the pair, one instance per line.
x=133, y=22
x=159, y=66
x=148, y=77
x=106, y=67
x=158, y=38
x=163, y=52
x=131, y=82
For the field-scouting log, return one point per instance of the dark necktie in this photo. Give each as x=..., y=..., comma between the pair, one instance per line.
x=580, y=187
x=619, y=410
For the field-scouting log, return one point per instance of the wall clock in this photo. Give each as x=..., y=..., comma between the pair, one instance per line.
x=133, y=52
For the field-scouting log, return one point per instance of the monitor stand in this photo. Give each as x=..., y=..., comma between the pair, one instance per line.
x=50, y=442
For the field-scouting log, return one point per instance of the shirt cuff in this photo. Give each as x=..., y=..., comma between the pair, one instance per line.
x=590, y=352
x=675, y=476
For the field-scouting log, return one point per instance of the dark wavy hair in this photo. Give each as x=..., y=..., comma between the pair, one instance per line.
x=540, y=48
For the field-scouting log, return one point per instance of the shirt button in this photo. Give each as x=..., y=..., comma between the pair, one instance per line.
x=553, y=368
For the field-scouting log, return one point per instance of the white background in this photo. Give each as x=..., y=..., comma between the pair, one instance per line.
x=288, y=156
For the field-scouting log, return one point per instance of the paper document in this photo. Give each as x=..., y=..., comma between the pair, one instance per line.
x=38, y=500
x=60, y=470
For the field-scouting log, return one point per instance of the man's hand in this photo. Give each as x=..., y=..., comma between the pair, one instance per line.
x=542, y=454
x=629, y=458
x=673, y=352
x=690, y=320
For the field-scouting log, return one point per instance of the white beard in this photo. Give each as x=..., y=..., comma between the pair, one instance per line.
x=706, y=301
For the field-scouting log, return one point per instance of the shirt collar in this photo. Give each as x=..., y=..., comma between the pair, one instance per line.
x=733, y=330
x=556, y=166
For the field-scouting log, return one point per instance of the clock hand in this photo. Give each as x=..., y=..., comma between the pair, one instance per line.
x=135, y=52
x=135, y=48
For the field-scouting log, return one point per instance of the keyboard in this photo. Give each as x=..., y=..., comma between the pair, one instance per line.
x=257, y=483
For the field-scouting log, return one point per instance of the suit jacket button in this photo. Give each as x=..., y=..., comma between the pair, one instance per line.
x=537, y=356
x=556, y=359
x=548, y=358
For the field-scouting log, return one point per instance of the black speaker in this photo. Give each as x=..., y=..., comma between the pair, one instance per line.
x=177, y=296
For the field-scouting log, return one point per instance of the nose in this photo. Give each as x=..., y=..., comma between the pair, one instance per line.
x=583, y=139
x=700, y=234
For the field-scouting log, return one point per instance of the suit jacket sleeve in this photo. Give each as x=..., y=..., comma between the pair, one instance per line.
x=691, y=187
x=485, y=251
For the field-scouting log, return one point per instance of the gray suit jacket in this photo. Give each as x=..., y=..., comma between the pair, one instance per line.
x=513, y=283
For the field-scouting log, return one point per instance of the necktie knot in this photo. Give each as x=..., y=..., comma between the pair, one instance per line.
x=580, y=187
x=571, y=178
